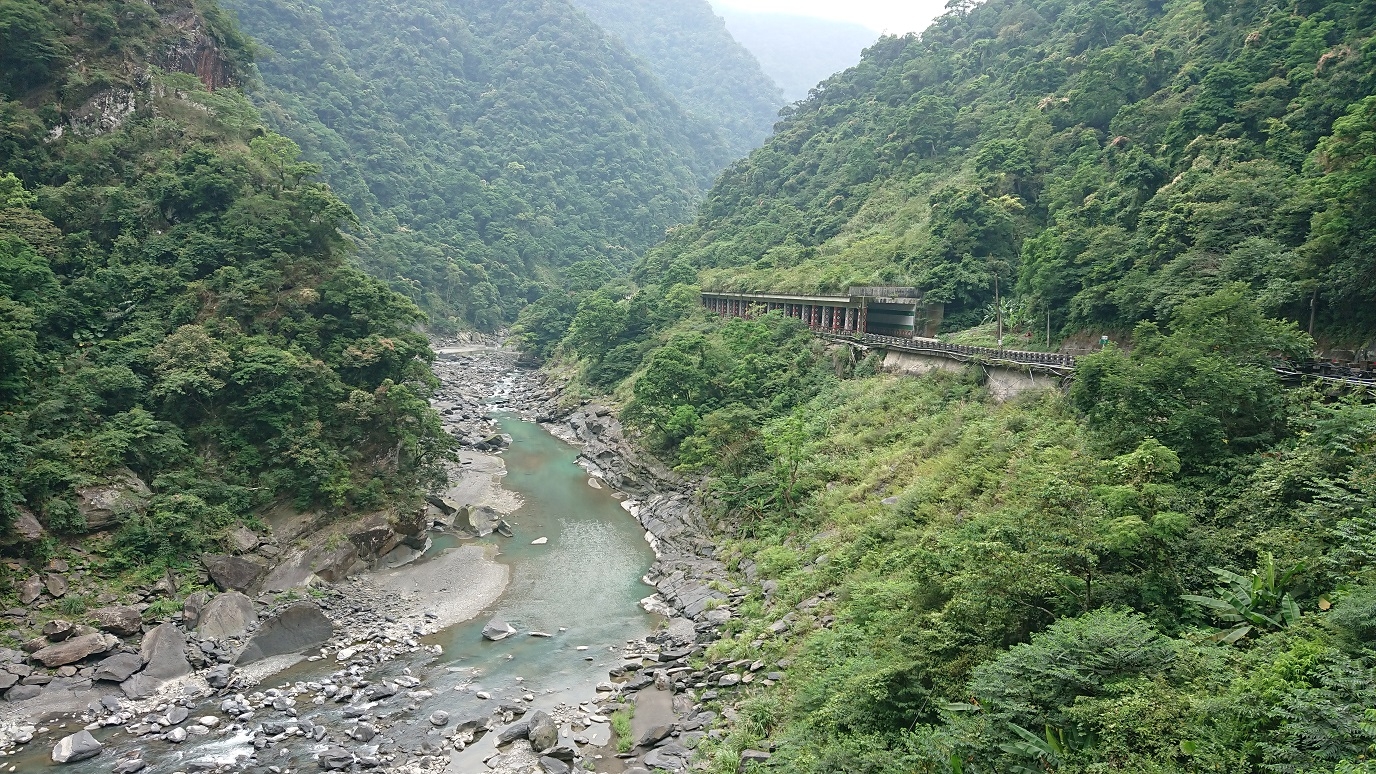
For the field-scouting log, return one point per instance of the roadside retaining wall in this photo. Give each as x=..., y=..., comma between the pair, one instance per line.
x=1003, y=382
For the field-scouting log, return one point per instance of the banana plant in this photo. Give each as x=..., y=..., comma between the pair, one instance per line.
x=1048, y=752
x=1250, y=602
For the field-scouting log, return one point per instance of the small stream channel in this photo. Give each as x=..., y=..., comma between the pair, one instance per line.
x=582, y=587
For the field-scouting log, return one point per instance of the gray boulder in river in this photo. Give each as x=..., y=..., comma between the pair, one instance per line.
x=299, y=627
x=498, y=630
x=77, y=747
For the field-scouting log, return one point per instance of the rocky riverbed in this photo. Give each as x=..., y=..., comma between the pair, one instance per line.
x=352, y=617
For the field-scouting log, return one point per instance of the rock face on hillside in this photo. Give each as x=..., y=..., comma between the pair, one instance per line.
x=197, y=51
x=107, y=504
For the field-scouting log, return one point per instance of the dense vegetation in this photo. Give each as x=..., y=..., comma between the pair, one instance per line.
x=1166, y=568
x=176, y=298
x=798, y=52
x=1045, y=585
x=1112, y=159
x=689, y=50
x=483, y=145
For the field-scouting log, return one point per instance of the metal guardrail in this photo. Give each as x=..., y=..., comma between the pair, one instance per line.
x=1051, y=362
x=1047, y=362
x=1291, y=374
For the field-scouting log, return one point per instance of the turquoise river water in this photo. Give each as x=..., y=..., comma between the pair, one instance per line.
x=582, y=587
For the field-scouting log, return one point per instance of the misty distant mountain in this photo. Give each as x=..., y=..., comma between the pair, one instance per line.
x=688, y=48
x=798, y=52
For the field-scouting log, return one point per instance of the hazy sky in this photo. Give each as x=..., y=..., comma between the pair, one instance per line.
x=892, y=16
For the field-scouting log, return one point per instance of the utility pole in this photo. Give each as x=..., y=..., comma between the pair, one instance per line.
x=1313, y=302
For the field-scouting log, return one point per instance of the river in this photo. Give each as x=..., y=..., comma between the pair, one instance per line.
x=581, y=586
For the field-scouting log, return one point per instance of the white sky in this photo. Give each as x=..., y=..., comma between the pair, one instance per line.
x=892, y=16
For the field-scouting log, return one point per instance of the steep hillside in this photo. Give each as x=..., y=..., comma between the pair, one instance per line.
x=798, y=52
x=693, y=55
x=1114, y=159
x=183, y=338
x=1165, y=565
x=481, y=144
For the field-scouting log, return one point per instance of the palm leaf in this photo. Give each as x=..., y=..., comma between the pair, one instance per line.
x=1212, y=603
x=1289, y=610
x=1231, y=636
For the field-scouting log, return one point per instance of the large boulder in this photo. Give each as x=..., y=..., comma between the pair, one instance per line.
x=375, y=536
x=56, y=584
x=23, y=693
x=543, y=733
x=332, y=564
x=192, y=607
x=121, y=620
x=498, y=630
x=75, y=649
x=293, y=571
x=232, y=573
x=670, y=757
x=241, y=539
x=335, y=758
x=299, y=627
x=111, y=502
x=58, y=630
x=27, y=528
x=164, y=649
x=119, y=667
x=323, y=562
x=412, y=526
x=30, y=590
x=227, y=615
x=483, y=521
x=77, y=747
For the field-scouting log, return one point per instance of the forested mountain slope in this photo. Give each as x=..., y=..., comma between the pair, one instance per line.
x=691, y=52
x=481, y=144
x=181, y=326
x=1114, y=159
x=1165, y=566
x=798, y=52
